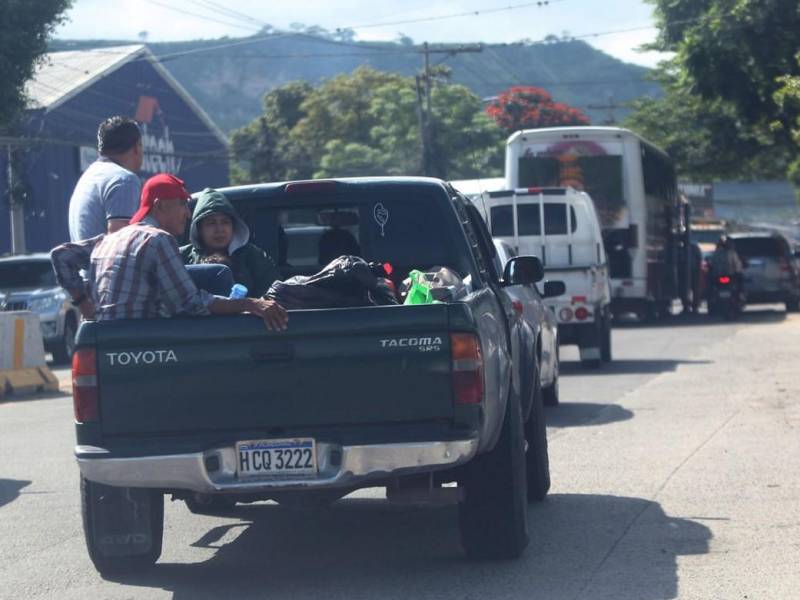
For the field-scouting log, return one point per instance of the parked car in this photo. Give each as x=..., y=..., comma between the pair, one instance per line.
x=27, y=282
x=770, y=271
x=561, y=226
x=540, y=321
x=407, y=397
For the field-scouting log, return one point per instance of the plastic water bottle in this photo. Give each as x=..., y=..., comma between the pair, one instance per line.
x=238, y=291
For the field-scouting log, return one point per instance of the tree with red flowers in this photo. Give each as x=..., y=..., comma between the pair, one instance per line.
x=526, y=107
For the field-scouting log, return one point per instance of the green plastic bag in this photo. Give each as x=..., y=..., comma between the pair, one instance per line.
x=420, y=290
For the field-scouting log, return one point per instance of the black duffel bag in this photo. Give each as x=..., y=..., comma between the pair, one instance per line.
x=346, y=281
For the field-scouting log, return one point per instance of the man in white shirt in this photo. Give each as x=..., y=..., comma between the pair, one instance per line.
x=107, y=194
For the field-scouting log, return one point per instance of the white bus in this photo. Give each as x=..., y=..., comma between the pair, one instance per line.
x=634, y=188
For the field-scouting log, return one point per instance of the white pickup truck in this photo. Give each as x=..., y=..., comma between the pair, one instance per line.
x=560, y=226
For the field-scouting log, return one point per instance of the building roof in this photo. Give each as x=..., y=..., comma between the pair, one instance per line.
x=63, y=75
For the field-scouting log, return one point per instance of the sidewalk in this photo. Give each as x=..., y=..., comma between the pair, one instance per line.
x=713, y=450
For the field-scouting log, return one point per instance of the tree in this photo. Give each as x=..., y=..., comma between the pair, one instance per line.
x=24, y=31
x=524, y=107
x=263, y=149
x=788, y=98
x=365, y=123
x=735, y=51
x=723, y=114
x=706, y=138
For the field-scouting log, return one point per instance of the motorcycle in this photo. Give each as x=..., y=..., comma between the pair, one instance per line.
x=725, y=298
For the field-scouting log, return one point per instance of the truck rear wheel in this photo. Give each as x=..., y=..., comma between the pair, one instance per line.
x=537, y=460
x=123, y=527
x=493, y=516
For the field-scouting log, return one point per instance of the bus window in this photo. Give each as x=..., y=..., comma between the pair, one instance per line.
x=598, y=175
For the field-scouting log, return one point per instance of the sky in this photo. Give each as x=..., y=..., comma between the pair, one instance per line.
x=622, y=25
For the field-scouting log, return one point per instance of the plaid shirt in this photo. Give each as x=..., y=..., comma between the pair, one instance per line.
x=134, y=273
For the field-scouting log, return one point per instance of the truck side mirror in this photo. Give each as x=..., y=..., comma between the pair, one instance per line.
x=523, y=270
x=553, y=289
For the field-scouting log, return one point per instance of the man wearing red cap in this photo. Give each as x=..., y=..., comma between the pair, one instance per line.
x=137, y=272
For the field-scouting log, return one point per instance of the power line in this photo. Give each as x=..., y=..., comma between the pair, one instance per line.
x=184, y=12
x=471, y=13
x=228, y=12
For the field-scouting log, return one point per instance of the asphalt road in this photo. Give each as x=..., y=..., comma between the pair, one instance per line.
x=675, y=475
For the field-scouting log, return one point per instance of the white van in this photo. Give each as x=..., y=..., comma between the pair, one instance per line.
x=478, y=190
x=560, y=226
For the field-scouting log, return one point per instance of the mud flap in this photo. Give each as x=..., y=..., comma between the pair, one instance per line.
x=121, y=520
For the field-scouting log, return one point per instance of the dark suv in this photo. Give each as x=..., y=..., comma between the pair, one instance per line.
x=770, y=273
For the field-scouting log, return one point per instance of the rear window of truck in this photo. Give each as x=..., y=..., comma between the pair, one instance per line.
x=302, y=234
x=759, y=246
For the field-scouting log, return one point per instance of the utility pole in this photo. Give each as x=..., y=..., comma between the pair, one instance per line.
x=424, y=87
x=16, y=208
x=610, y=106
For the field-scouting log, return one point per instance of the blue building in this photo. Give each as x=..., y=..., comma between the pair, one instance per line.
x=71, y=93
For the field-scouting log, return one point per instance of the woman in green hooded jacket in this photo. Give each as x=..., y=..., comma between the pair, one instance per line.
x=218, y=234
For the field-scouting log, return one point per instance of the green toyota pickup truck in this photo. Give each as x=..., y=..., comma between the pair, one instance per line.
x=437, y=402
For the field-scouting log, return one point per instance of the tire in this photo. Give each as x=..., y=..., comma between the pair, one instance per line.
x=793, y=304
x=537, y=460
x=207, y=504
x=62, y=351
x=550, y=394
x=123, y=527
x=605, y=341
x=493, y=516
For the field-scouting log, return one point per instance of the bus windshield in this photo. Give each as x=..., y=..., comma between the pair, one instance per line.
x=599, y=175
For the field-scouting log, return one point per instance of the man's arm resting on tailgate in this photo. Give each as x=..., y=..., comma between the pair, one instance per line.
x=68, y=261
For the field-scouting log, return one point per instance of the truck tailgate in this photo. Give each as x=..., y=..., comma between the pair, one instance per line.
x=332, y=367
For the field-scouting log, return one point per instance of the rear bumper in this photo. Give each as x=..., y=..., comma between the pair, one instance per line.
x=769, y=296
x=215, y=470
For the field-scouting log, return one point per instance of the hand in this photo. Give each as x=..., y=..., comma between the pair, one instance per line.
x=87, y=309
x=274, y=315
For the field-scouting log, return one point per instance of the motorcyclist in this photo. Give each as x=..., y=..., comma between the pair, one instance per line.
x=725, y=261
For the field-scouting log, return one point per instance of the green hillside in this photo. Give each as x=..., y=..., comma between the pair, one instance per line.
x=228, y=77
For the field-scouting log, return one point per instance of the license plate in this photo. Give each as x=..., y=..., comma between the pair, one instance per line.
x=284, y=458
x=724, y=294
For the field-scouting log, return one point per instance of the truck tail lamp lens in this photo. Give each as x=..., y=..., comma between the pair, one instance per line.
x=465, y=349
x=581, y=313
x=85, y=399
x=311, y=186
x=565, y=314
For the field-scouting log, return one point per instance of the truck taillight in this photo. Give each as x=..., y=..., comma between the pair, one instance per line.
x=84, y=385
x=581, y=313
x=465, y=349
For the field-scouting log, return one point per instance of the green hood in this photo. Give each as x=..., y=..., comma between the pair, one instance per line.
x=211, y=201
